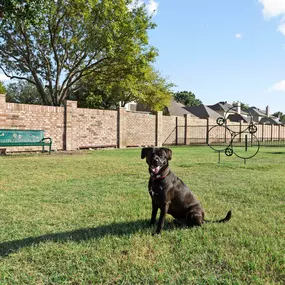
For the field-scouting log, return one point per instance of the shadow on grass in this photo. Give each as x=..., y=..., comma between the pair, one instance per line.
x=114, y=229
x=278, y=152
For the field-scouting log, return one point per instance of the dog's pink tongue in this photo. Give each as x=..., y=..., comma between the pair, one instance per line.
x=156, y=170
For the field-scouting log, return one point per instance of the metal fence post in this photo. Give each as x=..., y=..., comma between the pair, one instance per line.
x=176, y=131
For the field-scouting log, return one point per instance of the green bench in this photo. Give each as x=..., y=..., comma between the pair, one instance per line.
x=24, y=138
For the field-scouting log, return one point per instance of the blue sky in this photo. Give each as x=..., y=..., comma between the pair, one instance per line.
x=223, y=50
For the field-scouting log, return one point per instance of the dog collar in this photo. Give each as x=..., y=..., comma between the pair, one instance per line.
x=160, y=176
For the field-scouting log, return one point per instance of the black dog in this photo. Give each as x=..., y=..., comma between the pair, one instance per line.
x=169, y=193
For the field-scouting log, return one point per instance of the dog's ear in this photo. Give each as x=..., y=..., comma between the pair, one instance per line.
x=145, y=152
x=168, y=152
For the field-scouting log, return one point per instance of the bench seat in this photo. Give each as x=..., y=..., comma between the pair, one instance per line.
x=10, y=138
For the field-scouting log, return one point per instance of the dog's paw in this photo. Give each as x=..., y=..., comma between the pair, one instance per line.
x=157, y=232
x=176, y=222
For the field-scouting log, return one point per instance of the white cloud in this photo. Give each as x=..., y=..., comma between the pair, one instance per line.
x=238, y=36
x=3, y=77
x=150, y=5
x=279, y=86
x=281, y=28
x=273, y=8
x=135, y=3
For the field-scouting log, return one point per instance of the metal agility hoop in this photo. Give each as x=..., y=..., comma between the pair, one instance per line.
x=246, y=137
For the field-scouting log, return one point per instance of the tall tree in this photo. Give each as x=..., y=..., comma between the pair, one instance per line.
x=187, y=98
x=23, y=92
x=145, y=86
x=154, y=91
x=24, y=9
x=2, y=88
x=279, y=115
x=70, y=39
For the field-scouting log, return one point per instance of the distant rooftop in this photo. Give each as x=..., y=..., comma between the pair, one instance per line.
x=221, y=106
x=203, y=111
x=176, y=109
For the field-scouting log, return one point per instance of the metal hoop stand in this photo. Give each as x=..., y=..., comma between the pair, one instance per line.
x=251, y=129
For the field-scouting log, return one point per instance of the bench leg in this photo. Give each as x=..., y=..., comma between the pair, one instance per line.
x=49, y=149
x=43, y=149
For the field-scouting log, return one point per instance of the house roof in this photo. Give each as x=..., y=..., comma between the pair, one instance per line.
x=270, y=120
x=203, y=111
x=176, y=109
x=200, y=111
x=238, y=117
x=266, y=119
x=221, y=106
x=242, y=111
x=257, y=112
x=225, y=106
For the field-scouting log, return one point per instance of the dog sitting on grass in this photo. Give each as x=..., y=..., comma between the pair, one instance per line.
x=170, y=194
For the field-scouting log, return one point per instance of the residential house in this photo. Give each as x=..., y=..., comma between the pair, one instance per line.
x=270, y=121
x=176, y=109
x=222, y=108
x=258, y=114
x=131, y=106
x=203, y=112
x=225, y=109
x=230, y=112
x=236, y=117
x=263, y=117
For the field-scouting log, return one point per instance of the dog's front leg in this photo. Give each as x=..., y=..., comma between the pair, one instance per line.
x=153, y=213
x=163, y=212
x=154, y=205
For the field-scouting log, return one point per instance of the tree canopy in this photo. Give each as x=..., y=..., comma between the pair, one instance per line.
x=279, y=115
x=24, y=9
x=2, y=88
x=66, y=40
x=146, y=86
x=187, y=98
x=23, y=92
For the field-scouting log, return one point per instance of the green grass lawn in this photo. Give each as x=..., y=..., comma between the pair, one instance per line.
x=83, y=219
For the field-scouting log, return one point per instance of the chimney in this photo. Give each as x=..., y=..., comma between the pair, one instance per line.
x=267, y=111
x=238, y=108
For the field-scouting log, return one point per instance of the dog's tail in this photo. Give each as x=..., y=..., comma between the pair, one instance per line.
x=227, y=218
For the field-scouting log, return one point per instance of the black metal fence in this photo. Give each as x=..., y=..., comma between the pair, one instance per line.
x=266, y=135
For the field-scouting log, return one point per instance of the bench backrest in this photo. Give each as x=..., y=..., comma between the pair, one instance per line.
x=17, y=136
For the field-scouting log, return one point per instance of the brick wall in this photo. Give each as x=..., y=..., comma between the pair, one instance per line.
x=33, y=117
x=73, y=128
x=94, y=128
x=140, y=129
